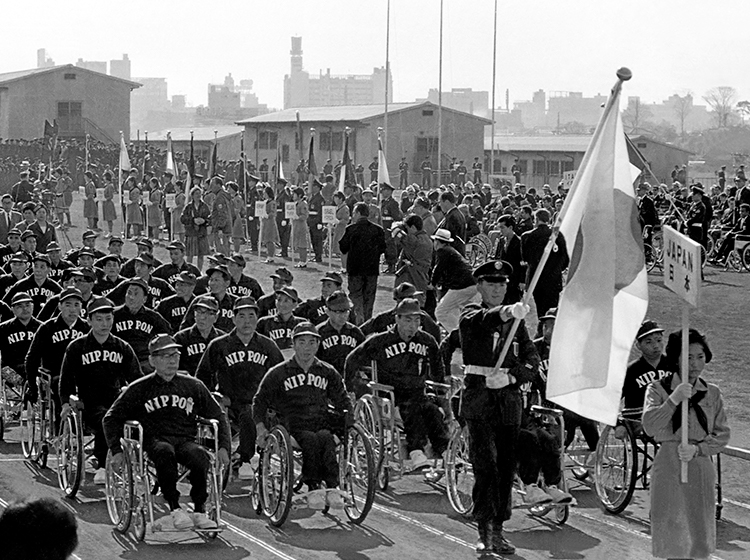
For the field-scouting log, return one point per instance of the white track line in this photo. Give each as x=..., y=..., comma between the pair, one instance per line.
x=257, y=541
x=424, y=526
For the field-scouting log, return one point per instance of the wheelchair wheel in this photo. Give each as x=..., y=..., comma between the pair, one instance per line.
x=70, y=456
x=30, y=432
x=651, y=257
x=476, y=253
x=367, y=414
x=616, y=469
x=119, y=491
x=214, y=485
x=746, y=257
x=358, y=475
x=734, y=261
x=277, y=476
x=139, y=523
x=459, y=473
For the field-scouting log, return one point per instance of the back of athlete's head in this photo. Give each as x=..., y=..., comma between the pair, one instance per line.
x=22, y=524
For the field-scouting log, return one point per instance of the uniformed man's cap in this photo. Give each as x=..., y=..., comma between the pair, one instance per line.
x=368, y=190
x=19, y=256
x=408, y=306
x=140, y=282
x=41, y=257
x=338, y=301
x=647, y=328
x=695, y=189
x=89, y=233
x=550, y=314
x=238, y=259
x=305, y=328
x=86, y=251
x=19, y=298
x=71, y=292
x=107, y=258
x=161, y=343
x=26, y=234
x=114, y=239
x=14, y=231
x=186, y=278
x=493, y=271
x=317, y=183
x=176, y=245
x=443, y=235
x=145, y=258
x=334, y=277
x=207, y=302
x=219, y=268
x=53, y=246
x=289, y=292
x=281, y=181
x=218, y=258
x=6, y=195
x=283, y=274
x=405, y=290
x=329, y=177
x=145, y=242
x=386, y=186
x=247, y=302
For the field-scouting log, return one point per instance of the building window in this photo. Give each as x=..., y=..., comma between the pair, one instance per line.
x=296, y=140
x=285, y=153
x=268, y=140
x=567, y=165
x=332, y=141
x=524, y=165
x=427, y=145
x=642, y=145
x=553, y=167
x=69, y=77
x=538, y=167
x=69, y=109
x=427, y=112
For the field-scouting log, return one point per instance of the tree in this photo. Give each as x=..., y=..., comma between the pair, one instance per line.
x=722, y=100
x=744, y=109
x=682, y=108
x=635, y=116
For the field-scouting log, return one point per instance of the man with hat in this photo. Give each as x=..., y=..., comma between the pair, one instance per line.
x=16, y=334
x=406, y=356
x=194, y=340
x=368, y=196
x=426, y=168
x=169, y=429
x=114, y=246
x=242, y=285
x=492, y=402
x=651, y=366
x=158, y=289
x=338, y=336
x=267, y=304
x=171, y=270
x=96, y=367
x=89, y=240
x=263, y=170
x=56, y=263
x=234, y=364
x=314, y=310
x=9, y=218
x=385, y=320
x=253, y=193
x=135, y=323
x=83, y=281
x=201, y=287
x=696, y=215
x=647, y=214
x=37, y=285
x=18, y=264
x=373, y=167
x=279, y=327
x=144, y=246
x=390, y=213
x=328, y=188
x=111, y=278
x=299, y=390
x=315, y=219
x=86, y=258
x=509, y=250
x=28, y=243
x=50, y=342
x=222, y=215
x=12, y=247
x=174, y=308
x=219, y=280
x=451, y=273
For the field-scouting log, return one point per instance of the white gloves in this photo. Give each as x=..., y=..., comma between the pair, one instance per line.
x=519, y=310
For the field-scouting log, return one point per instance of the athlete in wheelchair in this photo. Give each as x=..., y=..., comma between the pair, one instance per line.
x=167, y=409
x=296, y=394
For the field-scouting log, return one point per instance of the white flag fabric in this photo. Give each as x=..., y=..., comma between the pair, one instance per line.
x=124, y=158
x=342, y=177
x=170, y=165
x=383, y=176
x=606, y=295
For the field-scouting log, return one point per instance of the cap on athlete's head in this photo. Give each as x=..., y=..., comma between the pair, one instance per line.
x=207, y=302
x=282, y=273
x=289, y=292
x=338, y=301
x=99, y=304
x=408, y=306
x=19, y=298
x=161, y=343
x=247, y=302
x=71, y=292
x=306, y=327
x=647, y=328
x=334, y=277
x=550, y=315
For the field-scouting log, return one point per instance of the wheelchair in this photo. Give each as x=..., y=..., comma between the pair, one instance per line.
x=73, y=445
x=12, y=388
x=279, y=475
x=130, y=490
x=739, y=257
x=38, y=434
x=653, y=251
x=618, y=467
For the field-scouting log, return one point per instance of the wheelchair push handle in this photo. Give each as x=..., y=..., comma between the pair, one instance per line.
x=546, y=411
x=75, y=403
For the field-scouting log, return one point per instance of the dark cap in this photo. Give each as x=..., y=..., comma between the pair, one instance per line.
x=219, y=268
x=145, y=242
x=107, y=258
x=86, y=251
x=71, y=292
x=550, y=314
x=493, y=271
x=647, y=328
x=247, y=302
x=408, y=306
x=218, y=258
x=238, y=259
x=176, y=245
x=114, y=239
x=338, y=301
x=99, y=304
x=305, y=328
x=86, y=272
x=14, y=231
x=41, y=257
x=21, y=297
x=283, y=274
x=161, y=343
x=386, y=186
x=187, y=278
x=334, y=277
x=19, y=256
x=289, y=292
x=53, y=246
x=88, y=234
x=145, y=258
x=140, y=282
x=695, y=189
x=405, y=290
x=207, y=302
x=26, y=234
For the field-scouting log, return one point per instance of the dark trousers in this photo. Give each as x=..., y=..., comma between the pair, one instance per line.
x=316, y=238
x=403, y=181
x=391, y=252
x=168, y=222
x=362, y=290
x=319, y=463
x=241, y=420
x=252, y=232
x=426, y=179
x=545, y=298
x=726, y=247
x=166, y=454
x=539, y=450
x=92, y=420
x=422, y=421
x=492, y=451
x=284, y=232
x=588, y=429
x=477, y=177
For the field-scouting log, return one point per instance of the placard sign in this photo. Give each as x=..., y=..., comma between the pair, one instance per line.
x=100, y=193
x=568, y=178
x=82, y=191
x=329, y=215
x=260, y=209
x=290, y=210
x=171, y=202
x=682, y=265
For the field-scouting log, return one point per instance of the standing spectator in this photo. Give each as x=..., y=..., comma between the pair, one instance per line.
x=403, y=173
x=373, y=167
x=153, y=212
x=22, y=192
x=509, y=250
x=240, y=212
x=195, y=219
x=109, y=213
x=44, y=231
x=454, y=221
x=222, y=215
x=90, y=208
x=269, y=231
x=477, y=168
x=363, y=242
x=426, y=168
x=390, y=213
x=452, y=274
x=9, y=218
x=133, y=215
x=300, y=234
x=342, y=220
x=422, y=209
x=315, y=219
x=169, y=188
x=416, y=255
x=284, y=227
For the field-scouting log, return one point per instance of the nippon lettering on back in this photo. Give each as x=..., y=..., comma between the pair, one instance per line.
x=196, y=349
x=305, y=380
x=280, y=334
x=179, y=311
x=37, y=291
x=101, y=356
x=172, y=401
x=251, y=356
x=402, y=347
x=339, y=339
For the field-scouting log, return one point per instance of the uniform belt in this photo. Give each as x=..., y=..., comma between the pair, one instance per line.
x=479, y=370
x=313, y=213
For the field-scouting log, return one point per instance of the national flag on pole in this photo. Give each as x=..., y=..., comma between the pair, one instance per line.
x=50, y=136
x=606, y=295
x=146, y=157
x=190, y=168
x=214, y=164
x=347, y=168
x=279, y=165
x=383, y=177
x=241, y=173
x=124, y=158
x=170, y=165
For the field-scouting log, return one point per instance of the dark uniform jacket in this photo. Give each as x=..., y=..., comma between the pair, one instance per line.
x=15, y=339
x=173, y=309
x=267, y=305
x=532, y=247
x=510, y=252
x=104, y=285
x=384, y=321
x=236, y=369
x=335, y=345
x=193, y=346
x=51, y=308
x=483, y=334
x=300, y=398
x=96, y=372
x=647, y=214
x=314, y=310
x=168, y=411
x=244, y=287
x=363, y=243
x=389, y=212
x=169, y=272
x=158, y=290
x=455, y=222
x=48, y=347
x=637, y=377
x=225, y=320
x=137, y=329
x=279, y=330
x=7, y=280
x=128, y=269
x=40, y=294
x=451, y=270
x=56, y=270
x=72, y=256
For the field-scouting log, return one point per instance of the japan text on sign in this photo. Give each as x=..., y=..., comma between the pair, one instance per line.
x=329, y=214
x=290, y=210
x=682, y=265
x=260, y=209
x=568, y=178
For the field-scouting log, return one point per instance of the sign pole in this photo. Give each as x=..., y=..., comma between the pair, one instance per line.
x=685, y=379
x=330, y=247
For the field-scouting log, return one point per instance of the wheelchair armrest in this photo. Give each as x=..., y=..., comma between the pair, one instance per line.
x=546, y=411
x=133, y=431
x=439, y=388
x=75, y=403
x=45, y=375
x=631, y=413
x=380, y=387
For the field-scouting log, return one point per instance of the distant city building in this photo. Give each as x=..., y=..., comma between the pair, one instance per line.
x=179, y=102
x=464, y=99
x=222, y=99
x=120, y=68
x=678, y=111
x=534, y=112
x=151, y=98
x=301, y=89
x=572, y=107
x=42, y=60
x=93, y=65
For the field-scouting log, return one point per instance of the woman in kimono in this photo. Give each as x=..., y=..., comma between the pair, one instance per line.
x=109, y=213
x=300, y=231
x=683, y=522
x=342, y=220
x=90, y=209
x=269, y=231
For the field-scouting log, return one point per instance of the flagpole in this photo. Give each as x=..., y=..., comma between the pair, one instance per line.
x=494, y=72
x=119, y=183
x=440, y=101
x=623, y=75
x=146, y=188
x=387, y=74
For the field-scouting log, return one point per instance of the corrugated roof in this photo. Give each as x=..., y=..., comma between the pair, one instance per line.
x=668, y=145
x=21, y=74
x=200, y=133
x=539, y=143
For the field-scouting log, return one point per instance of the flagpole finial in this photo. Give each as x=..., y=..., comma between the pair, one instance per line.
x=624, y=74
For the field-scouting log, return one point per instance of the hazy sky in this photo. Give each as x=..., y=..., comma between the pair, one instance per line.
x=575, y=45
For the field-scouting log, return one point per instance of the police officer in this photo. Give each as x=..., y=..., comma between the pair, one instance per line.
x=263, y=169
x=314, y=310
x=390, y=213
x=252, y=194
x=383, y=321
x=242, y=285
x=218, y=283
x=338, y=337
x=492, y=400
x=280, y=278
x=168, y=405
x=403, y=173
x=315, y=219
x=16, y=334
x=169, y=272
x=234, y=364
x=279, y=327
x=285, y=227
x=37, y=285
x=95, y=367
x=406, y=356
x=174, y=308
x=194, y=340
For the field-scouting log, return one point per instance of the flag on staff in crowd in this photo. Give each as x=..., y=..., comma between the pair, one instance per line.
x=170, y=164
x=146, y=157
x=346, y=173
x=241, y=172
x=383, y=176
x=214, y=164
x=190, y=168
x=279, y=166
x=312, y=168
x=606, y=295
x=124, y=158
x=50, y=136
